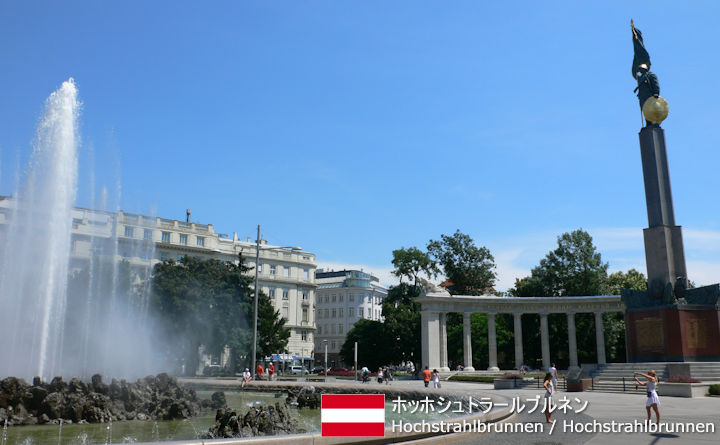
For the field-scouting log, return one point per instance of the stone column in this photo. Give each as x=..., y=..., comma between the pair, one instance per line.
x=600, y=338
x=492, y=343
x=545, y=341
x=572, y=341
x=443, y=343
x=467, y=342
x=518, y=340
x=430, y=337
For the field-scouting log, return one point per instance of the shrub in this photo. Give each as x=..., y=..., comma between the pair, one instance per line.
x=511, y=376
x=472, y=378
x=682, y=379
x=715, y=389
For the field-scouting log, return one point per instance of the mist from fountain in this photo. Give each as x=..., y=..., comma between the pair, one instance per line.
x=63, y=313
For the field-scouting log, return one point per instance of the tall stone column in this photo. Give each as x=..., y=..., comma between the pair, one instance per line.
x=600, y=338
x=467, y=342
x=545, y=341
x=572, y=341
x=430, y=337
x=443, y=343
x=492, y=343
x=518, y=340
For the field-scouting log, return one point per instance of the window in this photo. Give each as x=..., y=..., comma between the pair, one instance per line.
x=201, y=241
x=334, y=298
x=303, y=335
x=273, y=269
x=319, y=330
x=369, y=313
x=163, y=256
x=128, y=231
x=341, y=298
x=327, y=313
x=271, y=292
x=305, y=314
x=351, y=297
x=260, y=268
x=285, y=313
x=183, y=239
x=340, y=328
x=306, y=274
x=332, y=326
x=147, y=234
x=351, y=312
x=305, y=294
x=332, y=346
x=166, y=237
x=340, y=312
x=325, y=298
x=319, y=314
x=286, y=293
x=286, y=269
x=334, y=313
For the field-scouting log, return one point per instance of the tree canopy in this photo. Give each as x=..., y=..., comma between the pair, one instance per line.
x=210, y=302
x=469, y=268
x=411, y=262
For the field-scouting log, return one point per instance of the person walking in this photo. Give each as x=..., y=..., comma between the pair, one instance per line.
x=388, y=375
x=554, y=373
x=549, y=389
x=259, y=371
x=380, y=375
x=436, y=379
x=653, y=401
x=427, y=375
x=271, y=371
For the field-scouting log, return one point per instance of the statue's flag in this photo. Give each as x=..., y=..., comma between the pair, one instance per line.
x=641, y=55
x=353, y=414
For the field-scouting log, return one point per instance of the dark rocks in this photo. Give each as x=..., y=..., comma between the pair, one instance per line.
x=151, y=398
x=305, y=397
x=259, y=420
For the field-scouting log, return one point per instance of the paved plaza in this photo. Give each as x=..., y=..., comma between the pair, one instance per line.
x=601, y=407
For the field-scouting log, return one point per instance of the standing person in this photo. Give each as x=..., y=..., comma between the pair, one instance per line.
x=365, y=374
x=259, y=371
x=652, y=398
x=553, y=372
x=388, y=375
x=271, y=371
x=246, y=377
x=380, y=375
x=436, y=379
x=548, y=384
x=427, y=375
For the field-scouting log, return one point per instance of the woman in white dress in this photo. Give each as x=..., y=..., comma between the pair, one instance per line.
x=549, y=388
x=652, y=398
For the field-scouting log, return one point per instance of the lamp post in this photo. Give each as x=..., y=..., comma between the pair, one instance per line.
x=257, y=289
x=325, y=342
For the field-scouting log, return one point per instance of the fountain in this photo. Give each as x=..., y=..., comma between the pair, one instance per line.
x=63, y=315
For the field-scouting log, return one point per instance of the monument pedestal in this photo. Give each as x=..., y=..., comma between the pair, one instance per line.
x=686, y=330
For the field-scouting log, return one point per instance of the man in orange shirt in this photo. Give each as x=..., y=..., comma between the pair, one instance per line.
x=259, y=371
x=427, y=375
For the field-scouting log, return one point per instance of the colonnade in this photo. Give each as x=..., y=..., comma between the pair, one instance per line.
x=434, y=324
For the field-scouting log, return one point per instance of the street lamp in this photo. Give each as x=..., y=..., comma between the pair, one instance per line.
x=326, y=342
x=255, y=313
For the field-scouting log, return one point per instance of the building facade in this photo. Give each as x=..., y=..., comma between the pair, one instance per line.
x=342, y=298
x=286, y=275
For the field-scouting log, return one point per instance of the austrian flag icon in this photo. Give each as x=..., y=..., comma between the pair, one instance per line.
x=353, y=414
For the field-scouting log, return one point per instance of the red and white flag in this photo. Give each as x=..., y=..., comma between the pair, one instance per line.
x=353, y=414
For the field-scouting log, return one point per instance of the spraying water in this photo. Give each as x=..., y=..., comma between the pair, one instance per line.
x=69, y=303
x=36, y=255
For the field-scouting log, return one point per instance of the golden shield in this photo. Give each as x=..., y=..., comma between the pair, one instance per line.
x=655, y=109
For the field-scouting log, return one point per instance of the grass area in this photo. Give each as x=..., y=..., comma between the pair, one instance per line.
x=472, y=378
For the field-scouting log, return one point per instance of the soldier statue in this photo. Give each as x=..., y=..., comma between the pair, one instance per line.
x=647, y=83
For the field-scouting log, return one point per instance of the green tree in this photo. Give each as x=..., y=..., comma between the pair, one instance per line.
x=574, y=268
x=372, y=345
x=632, y=279
x=402, y=324
x=411, y=262
x=470, y=269
x=210, y=303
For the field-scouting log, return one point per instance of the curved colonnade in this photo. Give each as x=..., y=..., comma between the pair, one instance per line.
x=435, y=307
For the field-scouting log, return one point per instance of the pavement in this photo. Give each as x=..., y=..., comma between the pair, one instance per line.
x=601, y=410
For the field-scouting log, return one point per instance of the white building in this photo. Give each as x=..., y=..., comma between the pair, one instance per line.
x=287, y=276
x=343, y=297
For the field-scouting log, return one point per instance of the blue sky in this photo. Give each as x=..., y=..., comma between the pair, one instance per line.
x=355, y=128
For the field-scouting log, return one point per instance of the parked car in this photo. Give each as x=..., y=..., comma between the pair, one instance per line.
x=298, y=370
x=341, y=372
x=318, y=370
